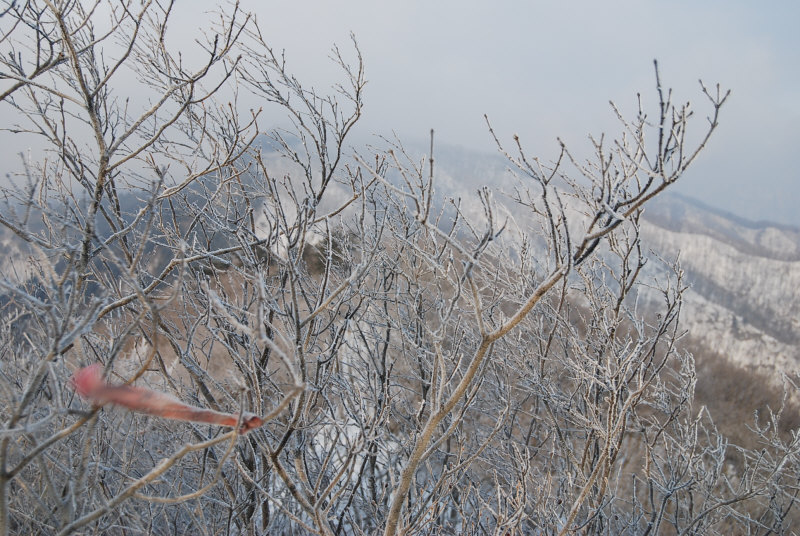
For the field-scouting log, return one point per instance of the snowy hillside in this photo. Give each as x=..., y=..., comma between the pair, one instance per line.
x=745, y=281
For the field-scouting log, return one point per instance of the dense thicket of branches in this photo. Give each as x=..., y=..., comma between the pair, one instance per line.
x=426, y=364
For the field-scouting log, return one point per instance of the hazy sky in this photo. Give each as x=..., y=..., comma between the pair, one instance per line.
x=548, y=69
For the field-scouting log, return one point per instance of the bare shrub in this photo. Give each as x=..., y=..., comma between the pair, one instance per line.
x=424, y=364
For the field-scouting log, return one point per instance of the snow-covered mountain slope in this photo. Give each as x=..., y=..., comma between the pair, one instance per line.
x=744, y=296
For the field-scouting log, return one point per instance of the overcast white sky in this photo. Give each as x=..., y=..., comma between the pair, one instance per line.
x=547, y=69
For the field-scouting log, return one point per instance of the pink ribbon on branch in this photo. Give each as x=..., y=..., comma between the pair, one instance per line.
x=88, y=382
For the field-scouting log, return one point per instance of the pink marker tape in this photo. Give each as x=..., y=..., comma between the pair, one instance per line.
x=88, y=382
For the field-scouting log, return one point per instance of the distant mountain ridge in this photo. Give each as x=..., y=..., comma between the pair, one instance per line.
x=679, y=213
